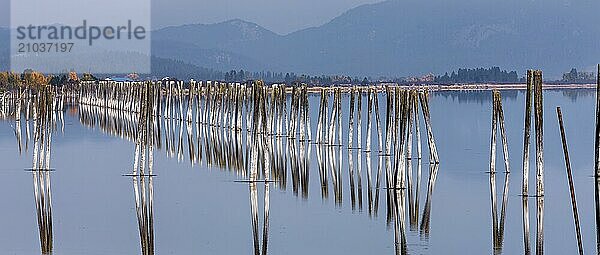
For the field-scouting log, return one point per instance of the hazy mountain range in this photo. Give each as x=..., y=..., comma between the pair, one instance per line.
x=402, y=37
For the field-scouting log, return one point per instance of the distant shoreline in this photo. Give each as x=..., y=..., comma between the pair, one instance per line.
x=460, y=87
x=517, y=86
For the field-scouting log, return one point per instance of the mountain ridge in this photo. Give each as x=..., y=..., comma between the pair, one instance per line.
x=398, y=38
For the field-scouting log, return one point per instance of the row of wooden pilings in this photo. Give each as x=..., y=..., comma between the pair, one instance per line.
x=223, y=113
x=40, y=109
x=232, y=106
x=534, y=93
x=264, y=113
x=19, y=102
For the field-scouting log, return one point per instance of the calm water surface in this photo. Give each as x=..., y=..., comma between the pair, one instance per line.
x=200, y=209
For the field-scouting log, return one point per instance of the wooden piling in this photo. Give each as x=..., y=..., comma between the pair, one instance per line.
x=500, y=115
x=570, y=179
x=433, y=157
x=597, y=161
x=526, y=138
x=493, y=138
x=377, y=120
x=526, y=240
x=359, y=118
x=539, y=132
x=351, y=121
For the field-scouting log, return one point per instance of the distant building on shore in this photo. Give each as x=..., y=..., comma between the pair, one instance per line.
x=119, y=79
x=425, y=78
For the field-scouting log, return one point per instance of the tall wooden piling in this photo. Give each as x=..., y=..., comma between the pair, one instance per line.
x=359, y=118
x=503, y=132
x=433, y=155
x=597, y=161
x=493, y=138
x=377, y=120
x=527, y=131
x=351, y=120
x=539, y=132
x=526, y=240
x=570, y=179
x=539, y=149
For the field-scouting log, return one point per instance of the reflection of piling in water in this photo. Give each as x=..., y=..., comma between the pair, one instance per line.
x=143, y=175
x=305, y=162
x=526, y=241
x=42, y=138
x=255, y=219
x=43, y=204
x=500, y=236
x=426, y=217
x=144, y=192
x=397, y=203
x=539, y=239
x=294, y=167
x=351, y=173
x=498, y=224
x=597, y=205
x=570, y=179
x=498, y=120
x=336, y=175
x=322, y=171
x=230, y=126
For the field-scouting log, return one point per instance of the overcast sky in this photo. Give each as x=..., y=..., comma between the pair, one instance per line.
x=280, y=16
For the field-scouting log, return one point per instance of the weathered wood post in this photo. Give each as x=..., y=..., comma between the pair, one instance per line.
x=351, y=120
x=539, y=132
x=539, y=149
x=526, y=241
x=570, y=179
x=359, y=118
x=597, y=161
x=500, y=115
x=494, y=128
x=527, y=135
